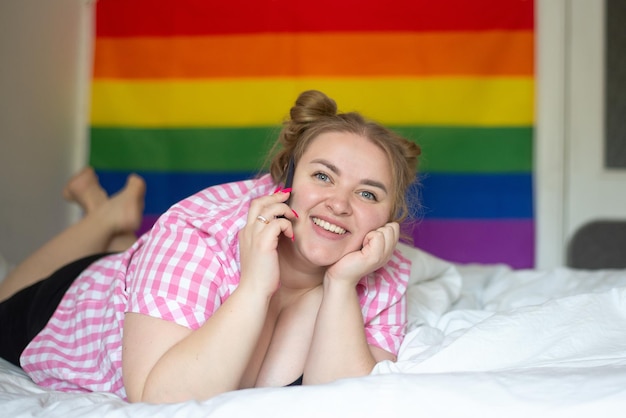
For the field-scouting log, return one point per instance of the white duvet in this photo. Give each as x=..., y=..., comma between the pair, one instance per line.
x=483, y=341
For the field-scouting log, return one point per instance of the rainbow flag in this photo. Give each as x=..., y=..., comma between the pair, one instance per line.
x=190, y=93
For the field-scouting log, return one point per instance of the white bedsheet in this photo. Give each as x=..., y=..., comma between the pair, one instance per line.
x=484, y=341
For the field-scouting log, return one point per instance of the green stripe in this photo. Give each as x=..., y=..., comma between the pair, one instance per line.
x=472, y=150
x=444, y=149
x=186, y=149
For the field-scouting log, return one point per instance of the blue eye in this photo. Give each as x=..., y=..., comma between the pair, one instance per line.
x=368, y=195
x=322, y=176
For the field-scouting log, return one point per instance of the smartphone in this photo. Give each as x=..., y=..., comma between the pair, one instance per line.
x=289, y=175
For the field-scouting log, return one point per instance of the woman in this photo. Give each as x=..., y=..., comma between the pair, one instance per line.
x=241, y=285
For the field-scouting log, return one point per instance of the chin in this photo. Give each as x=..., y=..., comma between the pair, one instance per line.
x=325, y=253
x=322, y=260
x=325, y=257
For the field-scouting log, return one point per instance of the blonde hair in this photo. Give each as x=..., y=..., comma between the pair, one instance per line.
x=314, y=113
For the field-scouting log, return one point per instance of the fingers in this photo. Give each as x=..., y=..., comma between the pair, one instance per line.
x=388, y=234
x=272, y=214
x=391, y=233
x=268, y=208
x=383, y=241
x=378, y=246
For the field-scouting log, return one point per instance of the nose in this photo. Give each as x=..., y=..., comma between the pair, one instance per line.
x=339, y=203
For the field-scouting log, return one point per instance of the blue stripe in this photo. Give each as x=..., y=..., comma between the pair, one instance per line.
x=477, y=196
x=442, y=196
x=165, y=189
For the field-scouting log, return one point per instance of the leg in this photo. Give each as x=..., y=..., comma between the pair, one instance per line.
x=114, y=217
x=84, y=189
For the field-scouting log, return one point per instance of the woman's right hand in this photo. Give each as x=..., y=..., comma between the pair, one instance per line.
x=166, y=362
x=269, y=217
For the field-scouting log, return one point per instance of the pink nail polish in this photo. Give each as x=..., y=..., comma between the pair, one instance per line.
x=287, y=190
x=293, y=238
x=278, y=189
x=295, y=213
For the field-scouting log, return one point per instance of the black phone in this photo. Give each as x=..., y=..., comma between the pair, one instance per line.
x=289, y=175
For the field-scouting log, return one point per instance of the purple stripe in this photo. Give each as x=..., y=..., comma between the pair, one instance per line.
x=147, y=222
x=509, y=241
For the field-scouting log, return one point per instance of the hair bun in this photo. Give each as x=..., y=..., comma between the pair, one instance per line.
x=312, y=105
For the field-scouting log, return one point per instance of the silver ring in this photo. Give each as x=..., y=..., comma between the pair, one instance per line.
x=262, y=219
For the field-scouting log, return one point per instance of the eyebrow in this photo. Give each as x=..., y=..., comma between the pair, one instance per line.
x=332, y=167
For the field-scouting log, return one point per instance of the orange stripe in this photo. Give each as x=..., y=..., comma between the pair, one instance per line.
x=486, y=53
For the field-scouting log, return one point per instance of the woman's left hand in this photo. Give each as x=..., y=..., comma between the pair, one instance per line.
x=378, y=246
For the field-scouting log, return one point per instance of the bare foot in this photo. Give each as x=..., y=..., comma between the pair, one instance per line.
x=84, y=188
x=125, y=209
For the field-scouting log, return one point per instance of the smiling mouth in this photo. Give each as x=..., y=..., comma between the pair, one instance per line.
x=329, y=227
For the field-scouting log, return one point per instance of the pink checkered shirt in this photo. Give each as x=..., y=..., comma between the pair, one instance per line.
x=180, y=271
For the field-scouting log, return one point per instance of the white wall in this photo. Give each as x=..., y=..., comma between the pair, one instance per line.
x=592, y=192
x=572, y=186
x=44, y=72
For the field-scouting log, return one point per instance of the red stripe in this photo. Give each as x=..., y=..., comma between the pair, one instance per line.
x=206, y=17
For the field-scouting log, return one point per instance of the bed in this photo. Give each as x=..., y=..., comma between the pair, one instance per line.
x=483, y=340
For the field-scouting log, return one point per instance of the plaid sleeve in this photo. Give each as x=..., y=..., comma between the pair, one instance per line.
x=383, y=302
x=177, y=275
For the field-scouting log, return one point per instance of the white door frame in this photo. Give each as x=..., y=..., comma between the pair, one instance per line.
x=549, y=138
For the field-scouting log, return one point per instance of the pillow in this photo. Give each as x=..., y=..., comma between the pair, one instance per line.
x=434, y=285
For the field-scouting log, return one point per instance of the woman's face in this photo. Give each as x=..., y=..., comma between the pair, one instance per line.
x=342, y=190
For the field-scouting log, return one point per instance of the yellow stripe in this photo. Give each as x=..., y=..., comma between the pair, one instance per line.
x=505, y=101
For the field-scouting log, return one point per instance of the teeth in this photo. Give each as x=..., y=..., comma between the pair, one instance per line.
x=329, y=227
